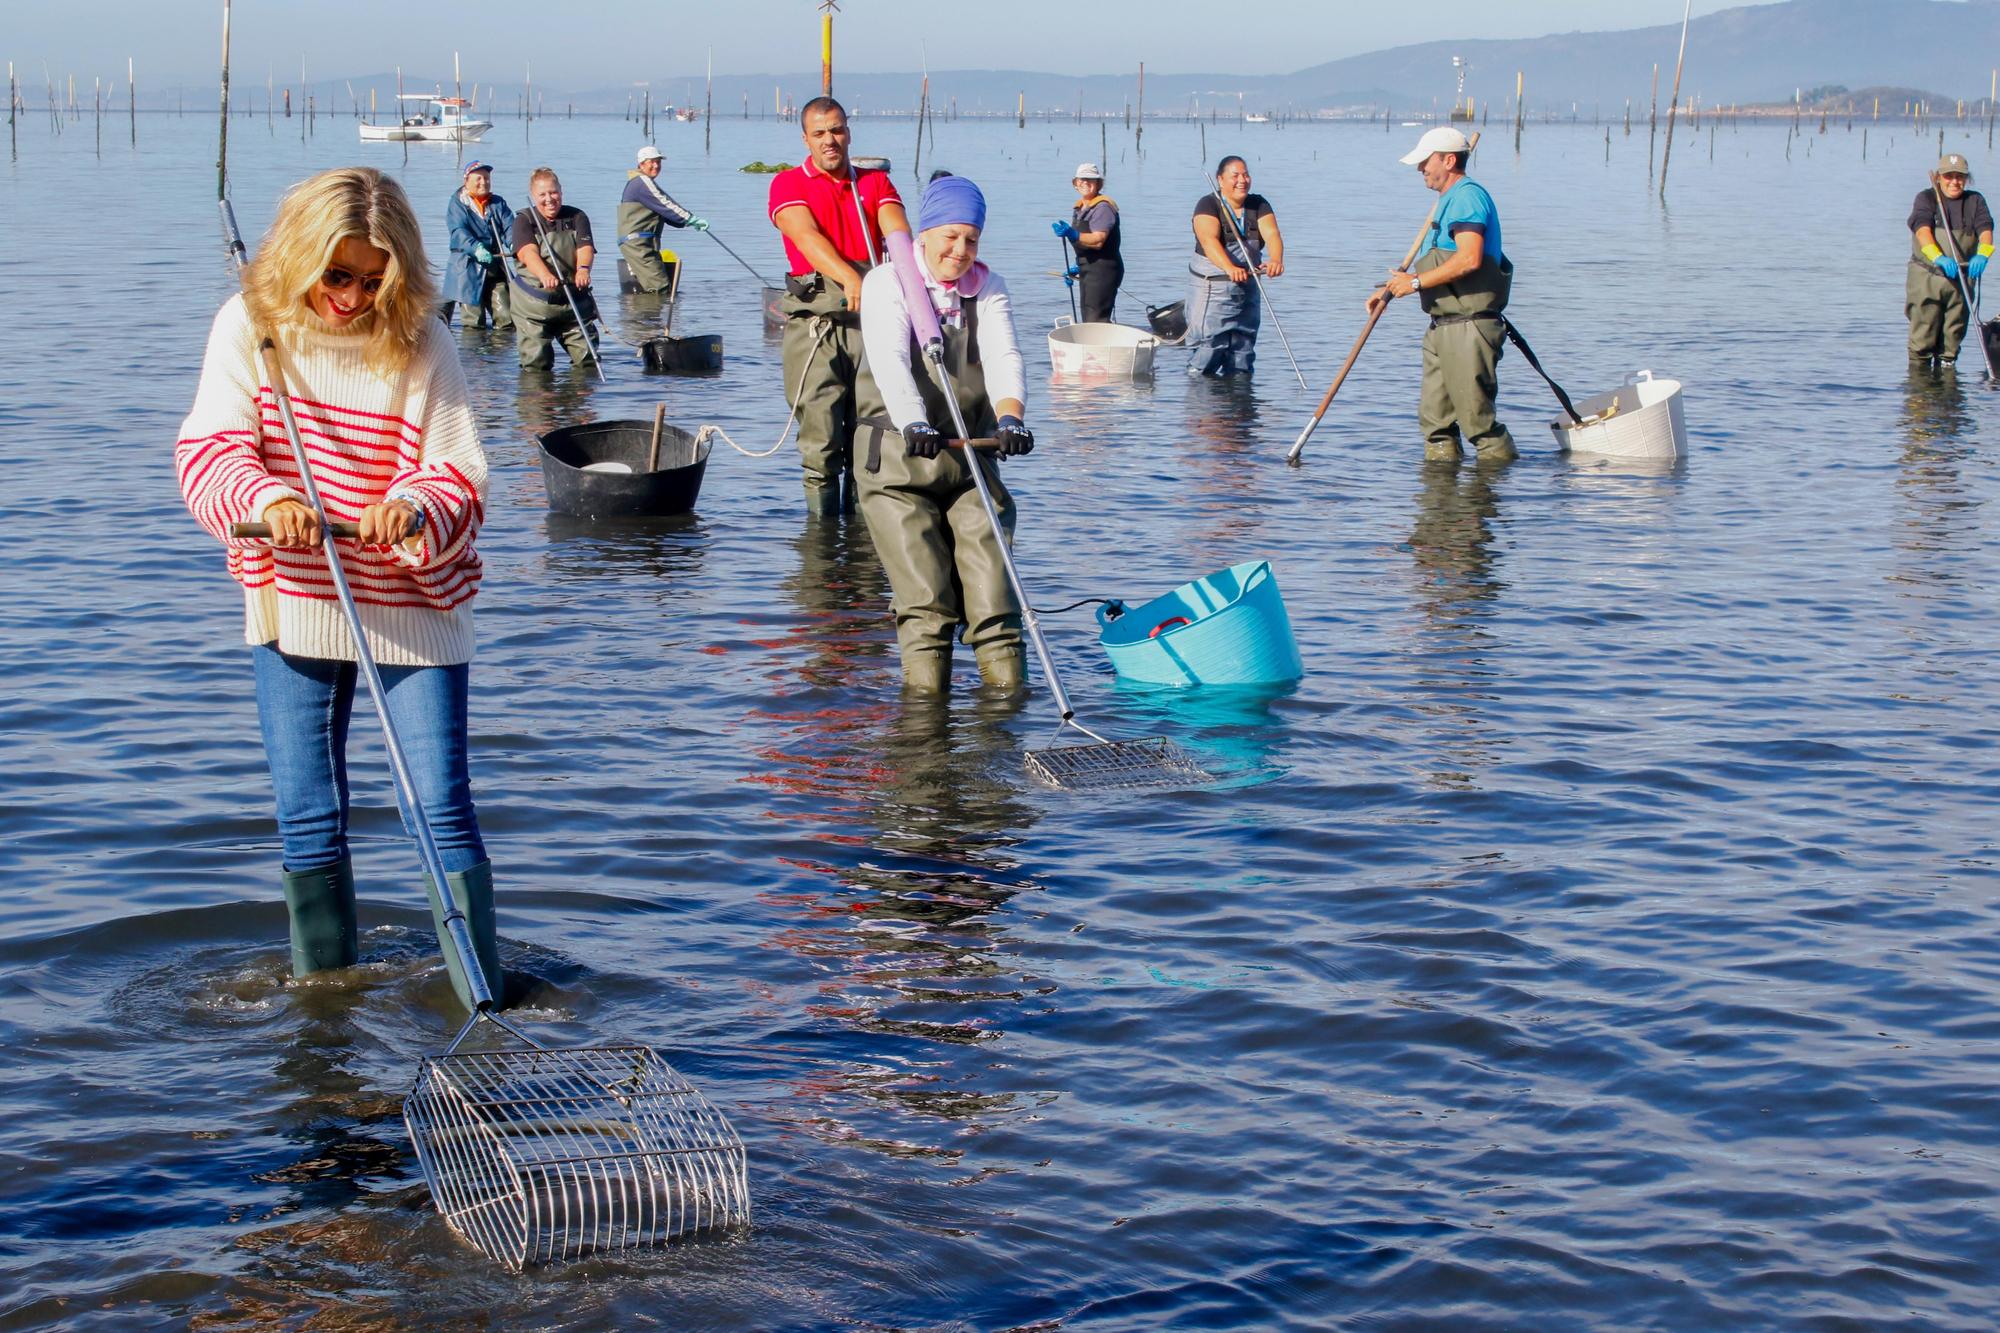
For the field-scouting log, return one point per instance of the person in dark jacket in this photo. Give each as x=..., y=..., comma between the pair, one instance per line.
x=1944, y=250
x=476, y=275
x=1093, y=229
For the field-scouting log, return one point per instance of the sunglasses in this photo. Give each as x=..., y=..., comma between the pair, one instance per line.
x=339, y=279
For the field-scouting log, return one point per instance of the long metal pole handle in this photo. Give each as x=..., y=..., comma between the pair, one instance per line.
x=739, y=259
x=936, y=354
x=1258, y=278
x=1951, y=244
x=582, y=327
x=406, y=787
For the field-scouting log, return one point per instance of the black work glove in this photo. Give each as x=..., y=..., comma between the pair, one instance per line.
x=922, y=440
x=1014, y=438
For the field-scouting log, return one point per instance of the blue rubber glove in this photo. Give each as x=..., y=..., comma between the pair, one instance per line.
x=1948, y=266
x=1975, y=267
x=482, y=254
x=1064, y=230
x=922, y=440
x=1014, y=438
x=699, y=224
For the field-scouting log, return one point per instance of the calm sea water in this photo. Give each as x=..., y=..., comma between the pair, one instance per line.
x=1600, y=935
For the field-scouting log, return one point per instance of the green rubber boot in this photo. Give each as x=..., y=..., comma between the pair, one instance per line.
x=472, y=892
x=321, y=906
x=1004, y=666
x=927, y=671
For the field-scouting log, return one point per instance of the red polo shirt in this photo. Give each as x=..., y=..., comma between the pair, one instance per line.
x=832, y=205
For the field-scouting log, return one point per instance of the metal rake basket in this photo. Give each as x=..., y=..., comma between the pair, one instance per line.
x=1116, y=765
x=537, y=1154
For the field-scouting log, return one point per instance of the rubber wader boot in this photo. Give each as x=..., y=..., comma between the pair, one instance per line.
x=321, y=905
x=1004, y=666
x=927, y=671
x=472, y=892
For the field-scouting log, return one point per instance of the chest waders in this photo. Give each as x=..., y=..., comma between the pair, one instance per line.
x=639, y=232
x=539, y=321
x=1935, y=305
x=946, y=571
x=1100, y=272
x=1461, y=358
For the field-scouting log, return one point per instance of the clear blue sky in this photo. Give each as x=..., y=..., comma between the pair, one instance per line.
x=603, y=42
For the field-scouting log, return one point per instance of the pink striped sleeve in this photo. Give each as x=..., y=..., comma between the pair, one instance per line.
x=218, y=456
x=447, y=477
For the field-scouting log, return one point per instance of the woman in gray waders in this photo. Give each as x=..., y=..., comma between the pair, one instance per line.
x=923, y=511
x=553, y=249
x=1932, y=299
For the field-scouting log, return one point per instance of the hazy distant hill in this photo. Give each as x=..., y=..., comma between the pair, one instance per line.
x=1759, y=53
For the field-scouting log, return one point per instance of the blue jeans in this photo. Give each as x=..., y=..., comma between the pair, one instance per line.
x=1223, y=318
x=304, y=704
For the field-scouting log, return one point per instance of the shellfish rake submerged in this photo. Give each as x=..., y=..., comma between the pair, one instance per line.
x=1106, y=765
x=535, y=1154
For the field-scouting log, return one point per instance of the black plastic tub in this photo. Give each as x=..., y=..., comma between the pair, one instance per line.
x=699, y=355
x=1169, y=321
x=569, y=454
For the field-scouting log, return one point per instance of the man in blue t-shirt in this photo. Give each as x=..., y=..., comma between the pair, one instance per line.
x=1462, y=277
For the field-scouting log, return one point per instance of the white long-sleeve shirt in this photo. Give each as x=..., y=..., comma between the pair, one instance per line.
x=886, y=334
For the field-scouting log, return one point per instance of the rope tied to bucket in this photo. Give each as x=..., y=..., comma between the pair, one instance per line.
x=821, y=328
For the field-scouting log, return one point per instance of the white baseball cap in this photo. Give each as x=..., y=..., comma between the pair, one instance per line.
x=1443, y=139
x=648, y=153
x=1087, y=171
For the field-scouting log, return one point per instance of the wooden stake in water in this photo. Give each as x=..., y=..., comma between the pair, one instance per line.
x=708, y=106
x=1520, y=109
x=1674, y=104
x=1653, y=125
x=131, y=100
x=1020, y=111
x=826, y=8
x=222, y=147
x=1139, y=134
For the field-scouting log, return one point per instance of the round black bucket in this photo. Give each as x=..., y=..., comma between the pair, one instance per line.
x=700, y=355
x=1169, y=321
x=569, y=454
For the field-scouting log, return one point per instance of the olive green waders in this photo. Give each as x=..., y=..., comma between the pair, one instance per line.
x=825, y=381
x=1462, y=358
x=1932, y=302
x=639, y=241
x=542, y=318
x=943, y=558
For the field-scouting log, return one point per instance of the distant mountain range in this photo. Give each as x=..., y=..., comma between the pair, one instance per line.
x=1754, y=54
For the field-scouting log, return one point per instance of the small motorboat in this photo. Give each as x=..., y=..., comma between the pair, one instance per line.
x=446, y=122
x=606, y=470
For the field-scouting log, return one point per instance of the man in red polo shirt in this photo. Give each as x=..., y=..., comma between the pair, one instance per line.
x=834, y=220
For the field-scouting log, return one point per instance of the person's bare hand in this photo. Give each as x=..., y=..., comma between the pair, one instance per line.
x=1235, y=274
x=294, y=524
x=550, y=283
x=851, y=289
x=388, y=523
x=1274, y=268
x=1377, y=301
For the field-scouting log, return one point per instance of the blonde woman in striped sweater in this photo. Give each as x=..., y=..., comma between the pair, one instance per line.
x=341, y=284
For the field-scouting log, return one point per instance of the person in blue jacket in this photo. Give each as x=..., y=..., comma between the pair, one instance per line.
x=476, y=275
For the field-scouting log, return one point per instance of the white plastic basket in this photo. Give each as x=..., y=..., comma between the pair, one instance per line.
x=1648, y=422
x=1102, y=351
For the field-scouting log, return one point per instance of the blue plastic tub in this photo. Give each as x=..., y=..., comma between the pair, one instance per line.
x=1229, y=628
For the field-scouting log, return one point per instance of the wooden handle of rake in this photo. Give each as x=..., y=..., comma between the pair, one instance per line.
x=1409, y=257
x=653, y=451
x=346, y=531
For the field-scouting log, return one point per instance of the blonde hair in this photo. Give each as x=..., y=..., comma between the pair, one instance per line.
x=539, y=172
x=314, y=217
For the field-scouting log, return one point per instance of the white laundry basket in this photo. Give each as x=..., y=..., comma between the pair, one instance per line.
x=1648, y=423
x=1104, y=351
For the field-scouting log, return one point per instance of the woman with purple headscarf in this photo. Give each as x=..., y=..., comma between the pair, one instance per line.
x=922, y=508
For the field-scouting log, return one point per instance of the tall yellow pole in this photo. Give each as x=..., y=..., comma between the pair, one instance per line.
x=826, y=54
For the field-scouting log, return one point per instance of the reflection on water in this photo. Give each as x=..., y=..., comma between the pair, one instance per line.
x=1938, y=511
x=1451, y=545
x=845, y=632
x=670, y=548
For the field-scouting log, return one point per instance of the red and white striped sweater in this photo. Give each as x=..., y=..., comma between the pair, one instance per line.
x=366, y=436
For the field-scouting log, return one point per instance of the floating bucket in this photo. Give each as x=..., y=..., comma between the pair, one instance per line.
x=1642, y=419
x=700, y=355
x=1103, y=351
x=1229, y=628
x=599, y=470
x=1169, y=322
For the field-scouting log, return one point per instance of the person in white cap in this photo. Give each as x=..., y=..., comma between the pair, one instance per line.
x=1093, y=229
x=642, y=210
x=1462, y=277
x=1932, y=300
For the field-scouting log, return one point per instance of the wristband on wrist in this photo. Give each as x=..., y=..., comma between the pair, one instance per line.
x=1987, y=249
x=1931, y=252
